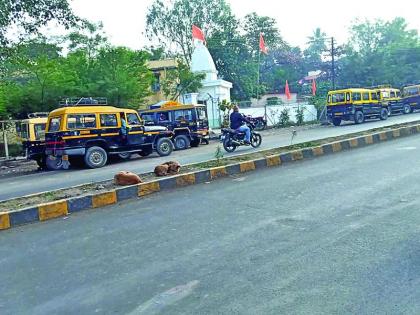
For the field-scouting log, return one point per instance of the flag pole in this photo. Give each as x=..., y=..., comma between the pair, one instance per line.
x=258, y=74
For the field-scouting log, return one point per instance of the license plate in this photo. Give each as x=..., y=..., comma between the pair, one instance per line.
x=338, y=114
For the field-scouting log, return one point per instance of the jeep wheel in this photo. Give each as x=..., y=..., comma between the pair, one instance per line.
x=336, y=121
x=54, y=163
x=164, y=147
x=359, y=117
x=95, y=157
x=407, y=109
x=181, y=142
x=384, y=114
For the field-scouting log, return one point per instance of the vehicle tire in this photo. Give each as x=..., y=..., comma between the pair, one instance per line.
x=195, y=143
x=359, y=117
x=124, y=156
x=336, y=121
x=54, y=163
x=384, y=114
x=95, y=157
x=256, y=140
x=407, y=109
x=181, y=142
x=164, y=147
x=145, y=152
x=204, y=141
x=228, y=145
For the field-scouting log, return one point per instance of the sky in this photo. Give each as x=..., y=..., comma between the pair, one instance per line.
x=124, y=20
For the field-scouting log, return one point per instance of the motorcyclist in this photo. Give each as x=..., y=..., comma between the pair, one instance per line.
x=238, y=122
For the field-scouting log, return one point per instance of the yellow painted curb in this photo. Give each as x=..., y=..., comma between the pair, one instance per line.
x=396, y=133
x=148, y=188
x=369, y=139
x=317, y=151
x=247, y=166
x=104, y=199
x=218, y=172
x=273, y=160
x=382, y=136
x=336, y=147
x=185, y=180
x=297, y=155
x=52, y=210
x=4, y=221
x=353, y=143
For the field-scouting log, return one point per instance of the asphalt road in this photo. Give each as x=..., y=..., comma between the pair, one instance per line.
x=336, y=235
x=44, y=181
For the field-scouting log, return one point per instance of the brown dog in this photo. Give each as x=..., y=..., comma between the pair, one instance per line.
x=173, y=167
x=126, y=178
x=161, y=170
x=167, y=168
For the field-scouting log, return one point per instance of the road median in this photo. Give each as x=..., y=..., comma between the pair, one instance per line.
x=63, y=202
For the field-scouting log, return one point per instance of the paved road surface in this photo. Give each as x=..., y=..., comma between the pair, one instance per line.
x=39, y=182
x=335, y=235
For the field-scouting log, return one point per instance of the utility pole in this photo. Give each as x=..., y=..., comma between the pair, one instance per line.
x=332, y=63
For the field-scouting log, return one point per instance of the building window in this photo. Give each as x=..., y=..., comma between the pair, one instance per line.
x=156, y=82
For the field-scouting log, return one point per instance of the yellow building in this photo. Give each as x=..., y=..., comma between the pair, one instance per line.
x=159, y=69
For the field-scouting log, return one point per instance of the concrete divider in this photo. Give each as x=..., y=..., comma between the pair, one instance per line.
x=68, y=206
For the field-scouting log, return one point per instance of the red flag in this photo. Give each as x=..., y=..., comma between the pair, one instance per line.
x=263, y=49
x=287, y=91
x=197, y=33
x=313, y=87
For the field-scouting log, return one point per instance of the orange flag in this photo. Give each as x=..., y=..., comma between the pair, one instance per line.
x=287, y=91
x=263, y=48
x=313, y=87
x=197, y=33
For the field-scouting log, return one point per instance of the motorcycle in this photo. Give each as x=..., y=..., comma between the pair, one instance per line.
x=232, y=138
x=260, y=122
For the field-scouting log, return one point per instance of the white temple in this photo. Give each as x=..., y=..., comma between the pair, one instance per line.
x=214, y=90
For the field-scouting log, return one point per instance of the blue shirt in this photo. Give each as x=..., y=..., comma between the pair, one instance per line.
x=236, y=120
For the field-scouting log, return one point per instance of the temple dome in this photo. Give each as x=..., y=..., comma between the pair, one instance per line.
x=202, y=62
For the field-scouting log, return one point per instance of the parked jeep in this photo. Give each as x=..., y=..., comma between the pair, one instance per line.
x=189, y=123
x=89, y=134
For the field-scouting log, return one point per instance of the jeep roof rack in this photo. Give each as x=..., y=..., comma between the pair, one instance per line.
x=38, y=115
x=83, y=101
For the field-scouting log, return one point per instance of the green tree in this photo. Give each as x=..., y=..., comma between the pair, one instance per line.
x=123, y=76
x=29, y=15
x=316, y=47
x=379, y=53
x=180, y=81
x=171, y=22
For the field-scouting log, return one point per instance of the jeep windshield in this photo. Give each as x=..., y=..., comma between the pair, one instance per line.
x=54, y=124
x=201, y=113
x=148, y=119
